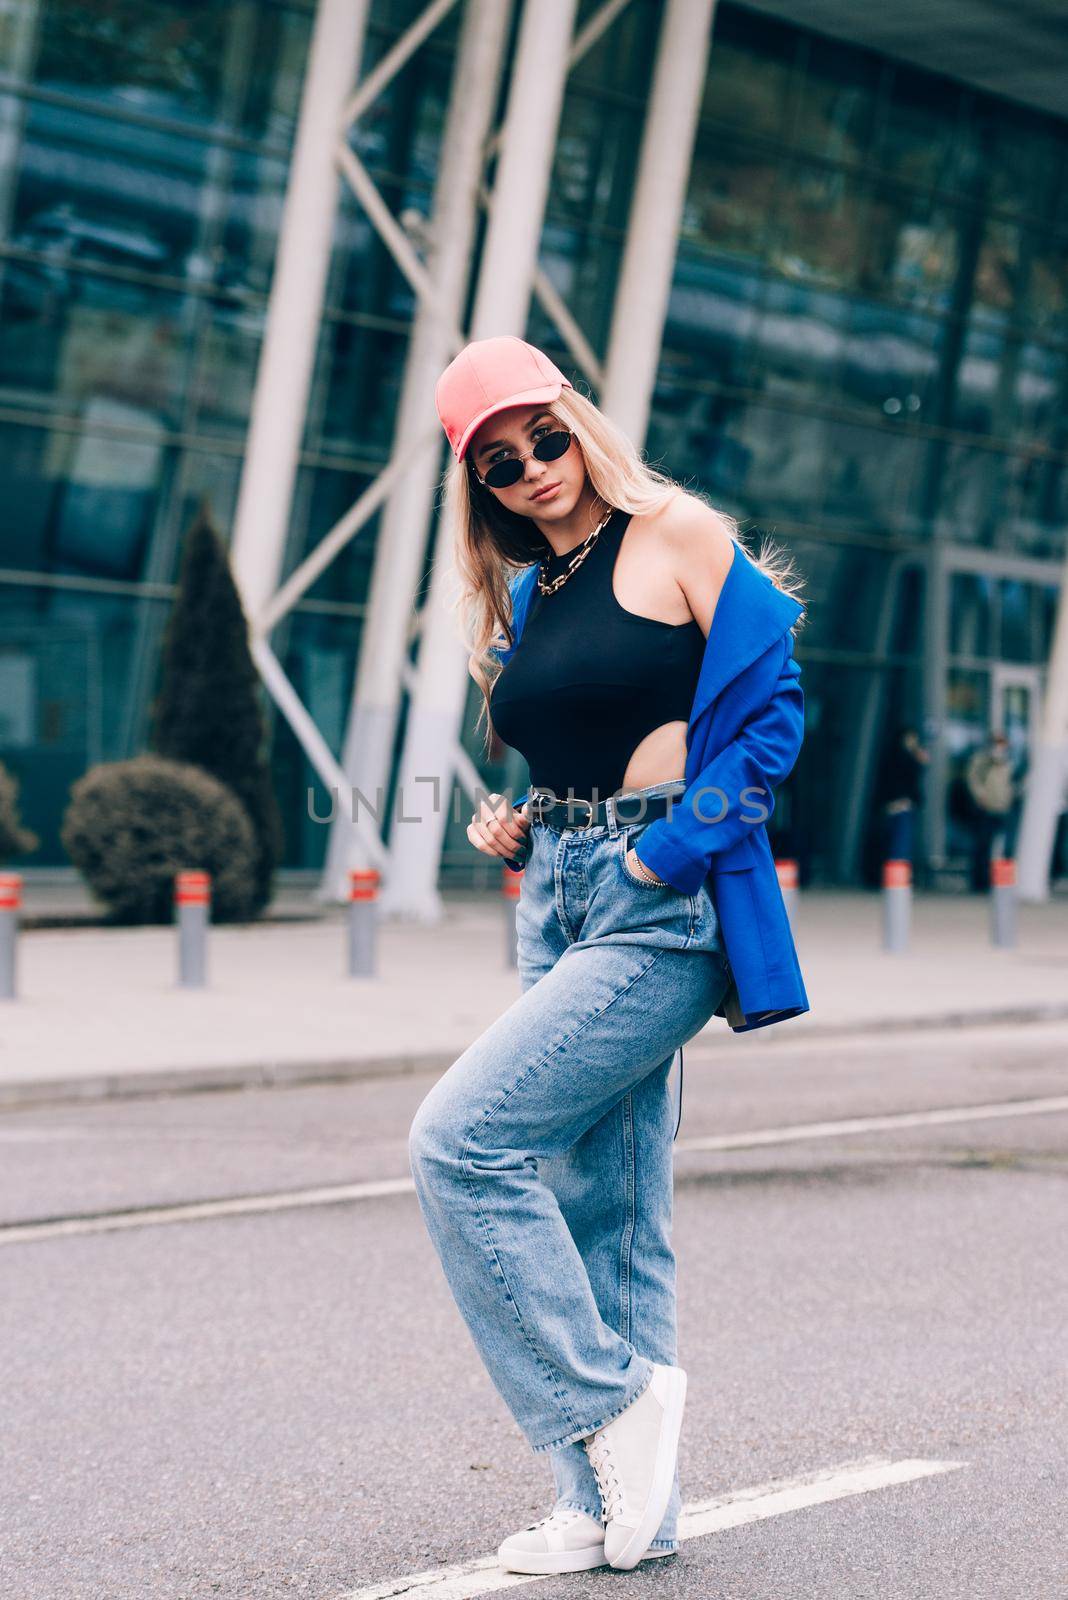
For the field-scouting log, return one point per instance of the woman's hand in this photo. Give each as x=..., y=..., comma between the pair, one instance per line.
x=498, y=828
x=636, y=865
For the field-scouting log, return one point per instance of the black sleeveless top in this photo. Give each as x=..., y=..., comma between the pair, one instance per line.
x=589, y=679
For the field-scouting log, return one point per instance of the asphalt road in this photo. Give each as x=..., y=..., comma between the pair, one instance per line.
x=285, y=1402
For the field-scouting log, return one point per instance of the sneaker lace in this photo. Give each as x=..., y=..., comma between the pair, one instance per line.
x=606, y=1471
x=565, y=1514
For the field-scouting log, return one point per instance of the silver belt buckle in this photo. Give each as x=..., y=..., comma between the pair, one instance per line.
x=539, y=804
x=577, y=800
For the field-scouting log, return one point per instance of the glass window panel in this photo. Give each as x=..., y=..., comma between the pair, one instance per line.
x=224, y=360
x=252, y=214
x=71, y=338
x=730, y=198
x=320, y=660
x=166, y=56
x=799, y=341
x=891, y=360
x=836, y=101
x=713, y=313
x=983, y=399
x=695, y=432
x=357, y=388
x=364, y=276
x=83, y=501
x=971, y=600
x=1039, y=410
x=921, y=140
x=19, y=21
x=966, y=481
x=1048, y=595
x=1015, y=641
x=774, y=460
x=818, y=226
x=909, y=249
x=997, y=282
x=1047, y=289
x=868, y=479
x=1040, y=522
x=1021, y=156
x=594, y=164
x=749, y=81
x=272, y=91
x=623, y=53
x=95, y=190
x=205, y=480
x=908, y=622
x=324, y=494
x=851, y=598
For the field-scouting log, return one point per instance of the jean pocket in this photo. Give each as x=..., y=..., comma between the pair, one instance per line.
x=628, y=837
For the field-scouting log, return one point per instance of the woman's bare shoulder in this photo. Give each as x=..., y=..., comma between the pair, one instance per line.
x=701, y=548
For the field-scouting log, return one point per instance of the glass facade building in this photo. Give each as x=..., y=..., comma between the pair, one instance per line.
x=866, y=358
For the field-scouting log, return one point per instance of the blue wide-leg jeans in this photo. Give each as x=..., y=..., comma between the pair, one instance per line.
x=542, y=1158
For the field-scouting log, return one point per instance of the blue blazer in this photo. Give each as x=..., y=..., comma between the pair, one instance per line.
x=745, y=729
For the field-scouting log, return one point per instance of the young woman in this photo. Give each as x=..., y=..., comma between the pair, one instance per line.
x=543, y=1157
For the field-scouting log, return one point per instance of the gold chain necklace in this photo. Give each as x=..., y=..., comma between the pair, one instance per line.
x=576, y=561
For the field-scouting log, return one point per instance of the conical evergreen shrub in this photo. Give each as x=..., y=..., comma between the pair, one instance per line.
x=209, y=709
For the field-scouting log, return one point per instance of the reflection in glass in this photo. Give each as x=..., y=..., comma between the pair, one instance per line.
x=971, y=595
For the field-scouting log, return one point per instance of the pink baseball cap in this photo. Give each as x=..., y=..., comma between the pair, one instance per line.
x=488, y=376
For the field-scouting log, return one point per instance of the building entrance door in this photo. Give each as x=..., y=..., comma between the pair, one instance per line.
x=1016, y=706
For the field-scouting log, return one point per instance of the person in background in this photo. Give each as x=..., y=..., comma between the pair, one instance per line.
x=903, y=792
x=992, y=787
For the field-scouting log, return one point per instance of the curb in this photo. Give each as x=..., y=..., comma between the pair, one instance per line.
x=202, y=1079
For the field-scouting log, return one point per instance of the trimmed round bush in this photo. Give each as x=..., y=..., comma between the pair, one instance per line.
x=131, y=826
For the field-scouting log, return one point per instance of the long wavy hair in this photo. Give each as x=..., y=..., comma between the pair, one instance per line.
x=493, y=543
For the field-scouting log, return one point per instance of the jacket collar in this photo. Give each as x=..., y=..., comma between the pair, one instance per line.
x=751, y=613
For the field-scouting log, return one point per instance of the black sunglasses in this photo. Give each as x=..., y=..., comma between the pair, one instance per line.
x=503, y=474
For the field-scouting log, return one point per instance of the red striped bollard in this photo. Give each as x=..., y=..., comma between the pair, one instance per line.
x=511, y=888
x=192, y=898
x=897, y=903
x=10, y=902
x=1003, y=901
x=786, y=871
x=363, y=920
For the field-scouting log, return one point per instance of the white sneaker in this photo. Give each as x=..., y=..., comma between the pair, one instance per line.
x=565, y=1541
x=633, y=1459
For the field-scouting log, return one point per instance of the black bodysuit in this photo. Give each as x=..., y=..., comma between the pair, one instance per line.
x=589, y=679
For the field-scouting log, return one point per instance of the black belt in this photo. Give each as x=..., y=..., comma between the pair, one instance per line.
x=578, y=813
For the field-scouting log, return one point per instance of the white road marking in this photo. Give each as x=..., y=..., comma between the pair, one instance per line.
x=342, y=1193
x=202, y=1210
x=468, y=1579
x=881, y=1124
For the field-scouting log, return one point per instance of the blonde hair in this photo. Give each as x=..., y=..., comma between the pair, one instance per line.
x=493, y=543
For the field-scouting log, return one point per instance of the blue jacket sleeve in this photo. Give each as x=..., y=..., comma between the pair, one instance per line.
x=732, y=794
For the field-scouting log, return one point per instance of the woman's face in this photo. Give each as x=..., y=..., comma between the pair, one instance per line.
x=548, y=490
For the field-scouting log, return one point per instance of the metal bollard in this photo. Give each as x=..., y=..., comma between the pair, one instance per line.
x=10, y=901
x=192, y=896
x=1003, y=901
x=363, y=920
x=511, y=887
x=786, y=869
x=897, y=903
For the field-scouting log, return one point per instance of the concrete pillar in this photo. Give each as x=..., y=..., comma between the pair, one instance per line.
x=656, y=212
x=1045, y=792
x=439, y=698
x=401, y=543
x=283, y=377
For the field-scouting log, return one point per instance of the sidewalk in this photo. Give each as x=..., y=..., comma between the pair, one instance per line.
x=98, y=1012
